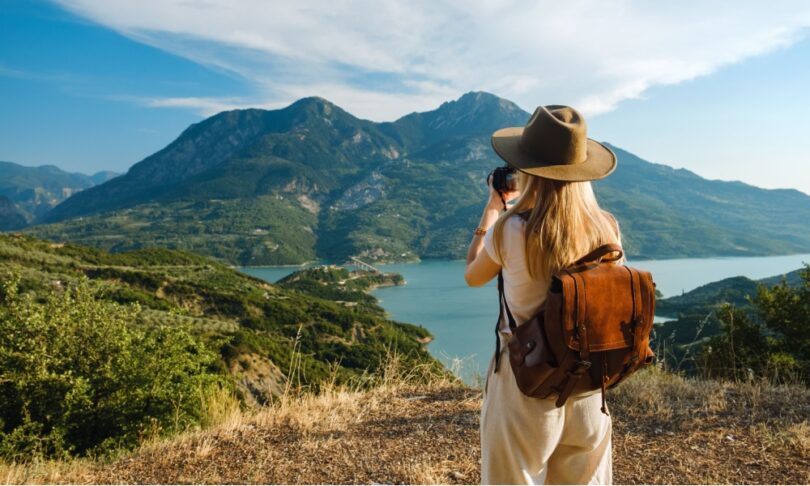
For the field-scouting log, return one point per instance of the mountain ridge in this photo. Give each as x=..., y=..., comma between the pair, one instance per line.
x=732, y=290
x=30, y=191
x=311, y=181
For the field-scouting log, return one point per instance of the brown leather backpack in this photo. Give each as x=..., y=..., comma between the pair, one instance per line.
x=592, y=331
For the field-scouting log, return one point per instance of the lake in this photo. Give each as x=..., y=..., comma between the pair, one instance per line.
x=462, y=319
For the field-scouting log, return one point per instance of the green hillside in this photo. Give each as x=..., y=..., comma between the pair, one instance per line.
x=322, y=314
x=311, y=181
x=694, y=312
x=733, y=290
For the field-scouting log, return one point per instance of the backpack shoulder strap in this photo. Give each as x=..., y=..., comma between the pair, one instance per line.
x=512, y=323
x=601, y=252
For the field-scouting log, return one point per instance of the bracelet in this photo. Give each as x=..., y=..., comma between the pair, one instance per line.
x=480, y=231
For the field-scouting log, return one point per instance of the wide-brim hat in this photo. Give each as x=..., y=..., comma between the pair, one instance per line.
x=554, y=144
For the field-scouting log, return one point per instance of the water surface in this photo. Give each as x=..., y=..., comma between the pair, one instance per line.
x=462, y=319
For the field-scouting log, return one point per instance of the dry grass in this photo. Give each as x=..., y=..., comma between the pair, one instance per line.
x=674, y=430
x=666, y=430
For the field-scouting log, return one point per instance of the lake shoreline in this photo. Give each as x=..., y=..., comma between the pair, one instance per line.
x=630, y=258
x=461, y=319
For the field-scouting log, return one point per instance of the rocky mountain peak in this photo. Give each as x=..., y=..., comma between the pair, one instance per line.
x=476, y=108
x=474, y=114
x=316, y=108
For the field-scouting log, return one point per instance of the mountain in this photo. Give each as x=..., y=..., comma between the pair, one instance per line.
x=675, y=212
x=103, y=176
x=311, y=181
x=11, y=217
x=33, y=191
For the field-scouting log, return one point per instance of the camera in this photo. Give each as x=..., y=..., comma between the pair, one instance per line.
x=504, y=179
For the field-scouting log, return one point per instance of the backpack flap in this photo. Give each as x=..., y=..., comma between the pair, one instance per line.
x=616, y=303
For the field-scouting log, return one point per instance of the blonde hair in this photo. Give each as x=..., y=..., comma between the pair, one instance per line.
x=564, y=223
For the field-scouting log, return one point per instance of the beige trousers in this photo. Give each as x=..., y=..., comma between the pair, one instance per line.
x=526, y=440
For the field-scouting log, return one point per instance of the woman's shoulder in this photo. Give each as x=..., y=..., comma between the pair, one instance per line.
x=517, y=219
x=514, y=223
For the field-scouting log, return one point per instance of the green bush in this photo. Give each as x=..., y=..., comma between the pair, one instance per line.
x=737, y=349
x=78, y=377
x=771, y=339
x=785, y=310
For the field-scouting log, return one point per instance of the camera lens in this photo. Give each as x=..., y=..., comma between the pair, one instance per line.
x=504, y=179
x=510, y=182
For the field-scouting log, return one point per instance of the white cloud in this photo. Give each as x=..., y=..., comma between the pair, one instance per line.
x=202, y=105
x=382, y=59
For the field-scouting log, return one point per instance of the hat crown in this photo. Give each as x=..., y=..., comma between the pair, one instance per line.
x=556, y=135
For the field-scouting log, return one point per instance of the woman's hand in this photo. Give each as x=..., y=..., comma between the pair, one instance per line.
x=495, y=200
x=480, y=267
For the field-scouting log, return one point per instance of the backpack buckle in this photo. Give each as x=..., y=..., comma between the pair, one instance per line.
x=580, y=368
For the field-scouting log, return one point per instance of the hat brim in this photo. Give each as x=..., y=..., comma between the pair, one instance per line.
x=600, y=162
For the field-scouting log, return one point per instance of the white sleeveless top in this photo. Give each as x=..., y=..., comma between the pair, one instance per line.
x=524, y=295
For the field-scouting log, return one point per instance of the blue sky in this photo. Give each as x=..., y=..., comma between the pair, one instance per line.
x=715, y=87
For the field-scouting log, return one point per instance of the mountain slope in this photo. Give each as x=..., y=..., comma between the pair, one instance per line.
x=11, y=217
x=663, y=210
x=311, y=181
x=30, y=192
x=243, y=153
x=322, y=314
x=733, y=290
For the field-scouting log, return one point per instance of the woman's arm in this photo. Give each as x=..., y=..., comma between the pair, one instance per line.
x=480, y=267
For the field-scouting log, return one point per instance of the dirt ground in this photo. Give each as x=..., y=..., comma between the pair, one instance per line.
x=666, y=430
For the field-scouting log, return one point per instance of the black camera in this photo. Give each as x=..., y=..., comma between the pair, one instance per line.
x=504, y=179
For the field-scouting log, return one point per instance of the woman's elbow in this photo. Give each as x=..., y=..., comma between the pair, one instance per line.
x=471, y=280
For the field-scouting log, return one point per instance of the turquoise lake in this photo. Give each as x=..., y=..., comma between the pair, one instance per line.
x=462, y=319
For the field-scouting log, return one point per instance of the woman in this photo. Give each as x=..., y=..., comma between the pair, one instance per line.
x=555, y=221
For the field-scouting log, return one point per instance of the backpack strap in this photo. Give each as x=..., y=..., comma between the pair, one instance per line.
x=512, y=323
x=601, y=252
x=638, y=314
x=581, y=366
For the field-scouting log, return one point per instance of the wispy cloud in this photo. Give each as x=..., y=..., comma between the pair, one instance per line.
x=202, y=105
x=382, y=59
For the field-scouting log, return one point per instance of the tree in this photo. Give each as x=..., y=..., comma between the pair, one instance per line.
x=785, y=312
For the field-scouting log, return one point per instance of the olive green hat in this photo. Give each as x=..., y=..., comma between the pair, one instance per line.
x=554, y=145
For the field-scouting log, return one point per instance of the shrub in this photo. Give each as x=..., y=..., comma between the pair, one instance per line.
x=737, y=349
x=772, y=339
x=785, y=311
x=78, y=377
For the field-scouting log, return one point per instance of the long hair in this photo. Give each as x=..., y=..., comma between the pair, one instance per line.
x=564, y=223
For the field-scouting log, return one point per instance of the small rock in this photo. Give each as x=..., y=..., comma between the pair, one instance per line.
x=457, y=475
x=418, y=397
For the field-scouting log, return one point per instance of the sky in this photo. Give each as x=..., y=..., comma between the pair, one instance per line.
x=719, y=88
